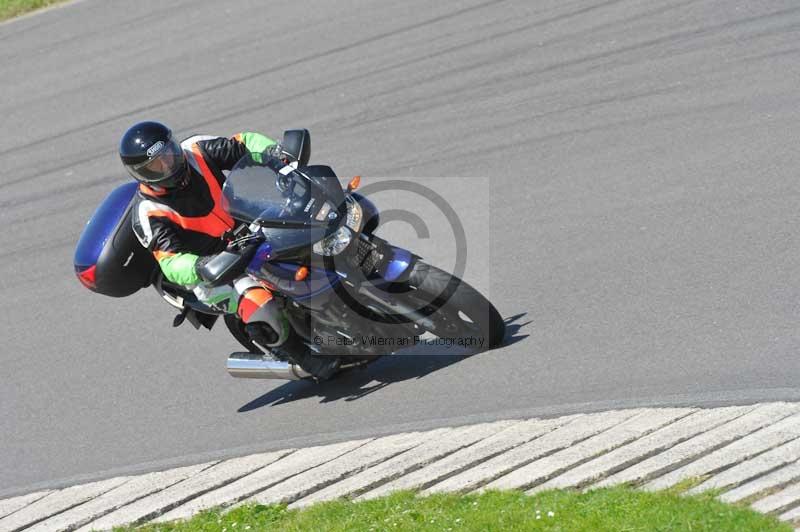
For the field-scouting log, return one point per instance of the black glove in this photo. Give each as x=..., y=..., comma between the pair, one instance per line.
x=276, y=150
x=245, y=246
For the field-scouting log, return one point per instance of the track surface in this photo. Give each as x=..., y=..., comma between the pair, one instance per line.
x=641, y=161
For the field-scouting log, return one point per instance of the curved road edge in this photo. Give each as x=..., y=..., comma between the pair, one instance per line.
x=748, y=453
x=702, y=400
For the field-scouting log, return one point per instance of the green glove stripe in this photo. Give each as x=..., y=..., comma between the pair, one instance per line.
x=256, y=142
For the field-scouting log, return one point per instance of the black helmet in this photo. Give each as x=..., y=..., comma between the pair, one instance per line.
x=153, y=157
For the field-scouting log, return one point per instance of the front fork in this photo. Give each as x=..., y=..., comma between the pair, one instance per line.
x=393, y=267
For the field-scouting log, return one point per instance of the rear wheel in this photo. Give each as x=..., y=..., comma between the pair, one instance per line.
x=456, y=309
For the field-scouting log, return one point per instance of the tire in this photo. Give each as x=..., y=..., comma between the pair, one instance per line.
x=446, y=298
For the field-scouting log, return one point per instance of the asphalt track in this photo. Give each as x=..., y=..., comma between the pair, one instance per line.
x=628, y=190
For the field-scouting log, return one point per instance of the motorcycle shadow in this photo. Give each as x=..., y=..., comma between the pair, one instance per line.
x=350, y=385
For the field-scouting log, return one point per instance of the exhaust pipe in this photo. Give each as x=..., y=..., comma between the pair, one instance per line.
x=255, y=366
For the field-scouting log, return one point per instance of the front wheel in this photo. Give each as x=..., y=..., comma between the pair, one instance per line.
x=454, y=307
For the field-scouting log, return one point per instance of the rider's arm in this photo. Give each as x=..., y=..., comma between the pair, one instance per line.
x=177, y=265
x=226, y=152
x=160, y=236
x=178, y=268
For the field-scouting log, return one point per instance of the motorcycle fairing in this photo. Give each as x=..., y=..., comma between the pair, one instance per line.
x=396, y=265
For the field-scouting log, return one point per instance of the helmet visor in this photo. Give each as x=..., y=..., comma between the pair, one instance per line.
x=162, y=168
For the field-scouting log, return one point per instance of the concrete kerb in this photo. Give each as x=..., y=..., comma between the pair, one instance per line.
x=748, y=453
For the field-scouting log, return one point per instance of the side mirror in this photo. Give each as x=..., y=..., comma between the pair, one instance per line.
x=297, y=145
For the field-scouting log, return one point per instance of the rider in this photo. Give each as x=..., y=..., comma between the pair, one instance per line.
x=181, y=219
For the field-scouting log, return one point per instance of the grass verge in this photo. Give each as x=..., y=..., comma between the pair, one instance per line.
x=604, y=509
x=13, y=8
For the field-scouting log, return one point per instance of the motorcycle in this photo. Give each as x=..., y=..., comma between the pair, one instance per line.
x=343, y=290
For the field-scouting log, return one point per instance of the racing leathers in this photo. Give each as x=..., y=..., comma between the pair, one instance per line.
x=183, y=227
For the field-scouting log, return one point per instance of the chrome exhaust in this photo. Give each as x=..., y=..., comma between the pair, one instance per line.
x=255, y=366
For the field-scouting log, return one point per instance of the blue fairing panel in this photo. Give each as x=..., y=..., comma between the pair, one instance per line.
x=397, y=266
x=281, y=275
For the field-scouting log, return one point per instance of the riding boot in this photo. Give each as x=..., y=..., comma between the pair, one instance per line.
x=268, y=325
x=322, y=367
x=262, y=335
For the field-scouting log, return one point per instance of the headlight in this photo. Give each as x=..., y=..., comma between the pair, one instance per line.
x=354, y=215
x=335, y=243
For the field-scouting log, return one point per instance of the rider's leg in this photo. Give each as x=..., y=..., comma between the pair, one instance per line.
x=229, y=300
x=264, y=322
x=268, y=328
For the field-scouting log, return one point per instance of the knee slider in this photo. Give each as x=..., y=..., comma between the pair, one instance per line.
x=251, y=301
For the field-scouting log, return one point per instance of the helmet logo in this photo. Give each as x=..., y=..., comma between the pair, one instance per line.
x=152, y=150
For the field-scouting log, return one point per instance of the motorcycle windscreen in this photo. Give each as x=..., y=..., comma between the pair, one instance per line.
x=297, y=211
